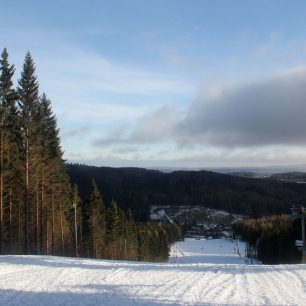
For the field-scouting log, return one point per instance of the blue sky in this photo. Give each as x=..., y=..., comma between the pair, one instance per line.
x=168, y=83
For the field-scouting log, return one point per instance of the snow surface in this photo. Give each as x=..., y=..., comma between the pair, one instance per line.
x=199, y=272
x=214, y=251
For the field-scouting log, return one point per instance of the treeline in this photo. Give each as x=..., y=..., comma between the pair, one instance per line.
x=35, y=191
x=272, y=237
x=36, y=198
x=109, y=232
x=138, y=189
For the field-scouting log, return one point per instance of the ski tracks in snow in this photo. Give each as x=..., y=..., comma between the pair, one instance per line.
x=43, y=280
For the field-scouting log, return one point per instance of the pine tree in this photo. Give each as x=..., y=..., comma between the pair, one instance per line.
x=98, y=223
x=131, y=237
x=8, y=117
x=86, y=226
x=113, y=229
x=53, y=188
x=13, y=177
x=28, y=104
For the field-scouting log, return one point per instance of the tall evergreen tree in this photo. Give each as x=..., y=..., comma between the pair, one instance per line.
x=8, y=117
x=86, y=228
x=53, y=188
x=113, y=229
x=28, y=104
x=131, y=237
x=97, y=221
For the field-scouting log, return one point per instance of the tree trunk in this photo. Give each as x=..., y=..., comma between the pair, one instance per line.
x=1, y=186
x=52, y=227
x=62, y=231
x=94, y=235
x=10, y=220
x=37, y=216
x=47, y=232
x=19, y=227
x=47, y=239
x=42, y=205
x=26, y=202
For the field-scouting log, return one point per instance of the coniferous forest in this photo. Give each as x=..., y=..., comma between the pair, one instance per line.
x=272, y=237
x=138, y=189
x=36, y=198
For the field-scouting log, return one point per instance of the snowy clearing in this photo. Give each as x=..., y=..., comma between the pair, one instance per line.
x=200, y=272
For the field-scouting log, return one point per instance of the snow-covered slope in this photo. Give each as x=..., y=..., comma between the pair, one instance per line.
x=214, y=251
x=193, y=279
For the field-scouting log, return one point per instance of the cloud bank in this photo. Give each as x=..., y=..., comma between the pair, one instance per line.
x=268, y=112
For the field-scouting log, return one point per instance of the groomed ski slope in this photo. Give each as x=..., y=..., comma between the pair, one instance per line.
x=200, y=272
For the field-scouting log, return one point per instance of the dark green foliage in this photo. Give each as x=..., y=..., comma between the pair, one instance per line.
x=112, y=233
x=34, y=187
x=28, y=105
x=10, y=181
x=98, y=222
x=154, y=240
x=273, y=237
x=137, y=189
x=131, y=234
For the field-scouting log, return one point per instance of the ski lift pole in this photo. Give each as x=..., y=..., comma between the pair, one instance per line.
x=303, y=235
x=76, y=229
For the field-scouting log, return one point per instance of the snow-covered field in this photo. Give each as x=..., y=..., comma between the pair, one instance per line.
x=199, y=272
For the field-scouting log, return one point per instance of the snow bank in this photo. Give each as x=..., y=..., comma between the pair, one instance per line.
x=43, y=280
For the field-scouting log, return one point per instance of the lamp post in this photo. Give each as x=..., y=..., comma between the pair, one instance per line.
x=303, y=234
x=76, y=229
x=300, y=243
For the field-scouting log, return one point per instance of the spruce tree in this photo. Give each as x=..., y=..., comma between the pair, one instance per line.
x=97, y=221
x=53, y=188
x=7, y=114
x=113, y=229
x=86, y=226
x=28, y=104
x=131, y=237
x=13, y=175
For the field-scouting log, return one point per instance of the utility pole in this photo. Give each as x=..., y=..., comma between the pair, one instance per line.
x=75, y=220
x=303, y=235
x=299, y=213
x=76, y=229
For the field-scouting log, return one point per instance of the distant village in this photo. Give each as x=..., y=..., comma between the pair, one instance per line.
x=197, y=221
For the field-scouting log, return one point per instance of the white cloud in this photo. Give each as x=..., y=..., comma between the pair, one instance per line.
x=83, y=70
x=154, y=127
x=256, y=123
x=267, y=112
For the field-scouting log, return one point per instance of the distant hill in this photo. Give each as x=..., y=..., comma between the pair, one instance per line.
x=296, y=177
x=246, y=174
x=138, y=188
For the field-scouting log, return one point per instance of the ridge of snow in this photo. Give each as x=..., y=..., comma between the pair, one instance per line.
x=196, y=278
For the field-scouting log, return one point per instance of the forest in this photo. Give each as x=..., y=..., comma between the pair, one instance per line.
x=137, y=189
x=272, y=237
x=37, y=215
